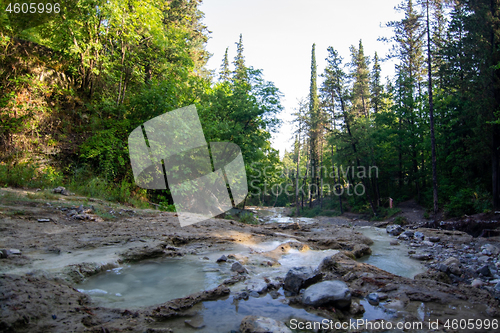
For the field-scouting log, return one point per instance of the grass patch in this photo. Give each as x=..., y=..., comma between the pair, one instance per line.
x=15, y=213
x=400, y=220
x=45, y=195
x=248, y=218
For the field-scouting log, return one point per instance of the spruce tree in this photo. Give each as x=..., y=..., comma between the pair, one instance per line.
x=315, y=120
x=225, y=73
x=240, y=71
x=376, y=87
x=360, y=75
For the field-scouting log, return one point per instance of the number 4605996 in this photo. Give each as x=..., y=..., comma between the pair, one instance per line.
x=33, y=8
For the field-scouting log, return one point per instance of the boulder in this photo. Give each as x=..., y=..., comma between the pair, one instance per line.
x=237, y=267
x=451, y=261
x=380, y=224
x=394, y=230
x=223, y=258
x=373, y=299
x=485, y=270
x=408, y=233
x=434, y=239
x=333, y=292
x=300, y=277
x=455, y=269
x=360, y=250
x=491, y=248
x=418, y=235
x=477, y=283
x=254, y=324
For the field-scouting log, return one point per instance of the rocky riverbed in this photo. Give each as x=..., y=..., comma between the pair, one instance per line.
x=272, y=275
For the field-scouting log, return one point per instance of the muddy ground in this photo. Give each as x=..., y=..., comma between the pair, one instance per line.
x=44, y=226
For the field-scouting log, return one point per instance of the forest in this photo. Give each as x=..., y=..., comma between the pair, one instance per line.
x=75, y=82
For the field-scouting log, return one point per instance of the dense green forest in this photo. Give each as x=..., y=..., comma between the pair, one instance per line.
x=430, y=133
x=75, y=83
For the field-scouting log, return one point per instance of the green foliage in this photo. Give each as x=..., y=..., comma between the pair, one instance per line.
x=400, y=220
x=468, y=201
x=248, y=218
x=29, y=175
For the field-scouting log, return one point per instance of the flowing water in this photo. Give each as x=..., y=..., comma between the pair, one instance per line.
x=390, y=258
x=158, y=281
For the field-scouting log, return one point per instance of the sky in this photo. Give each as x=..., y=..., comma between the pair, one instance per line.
x=278, y=37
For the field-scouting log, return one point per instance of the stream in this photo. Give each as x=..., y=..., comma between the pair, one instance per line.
x=156, y=281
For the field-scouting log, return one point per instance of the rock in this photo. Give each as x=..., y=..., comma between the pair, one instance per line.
x=257, y=285
x=80, y=209
x=58, y=189
x=485, y=271
x=394, y=230
x=349, y=276
x=300, y=277
x=450, y=261
x=394, y=242
x=477, y=283
x=403, y=237
x=455, y=269
x=43, y=220
x=61, y=190
x=418, y=235
x=356, y=308
x=497, y=286
x=361, y=250
x=483, y=259
x=327, y=264
x=442, y=267
x=3, y=254
x=421, y=256
x=254, y=324
x=13, y=251
x=382, y=296
x=72, y=213
x=373, y=299
x=194, y=324
x=380, y=224
x=427, y=243
x=434, y=239
x=408, y=233
x=237, y=267
x=492, y=249
x=223, y=258
x=335, y=292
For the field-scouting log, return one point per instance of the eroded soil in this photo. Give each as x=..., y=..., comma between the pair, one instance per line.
x=37, y=291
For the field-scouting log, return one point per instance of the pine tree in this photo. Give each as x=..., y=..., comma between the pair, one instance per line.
x=360, y=98
x=376, y=87
x=315, y=120
x=225, y=73
x=240, y=72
